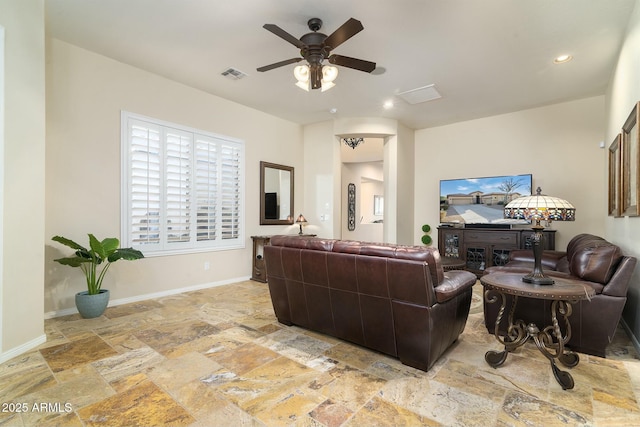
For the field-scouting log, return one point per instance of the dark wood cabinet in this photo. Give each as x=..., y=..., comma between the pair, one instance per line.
x=258, y=267
x=481, y=248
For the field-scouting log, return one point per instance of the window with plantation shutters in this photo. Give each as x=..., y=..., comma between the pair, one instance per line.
x=182, y=188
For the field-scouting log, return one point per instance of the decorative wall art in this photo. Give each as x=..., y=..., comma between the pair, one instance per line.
x=615, y=176
x=631, y=164
x=351, y=206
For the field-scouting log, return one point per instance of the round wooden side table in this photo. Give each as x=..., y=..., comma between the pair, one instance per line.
x=550, y=340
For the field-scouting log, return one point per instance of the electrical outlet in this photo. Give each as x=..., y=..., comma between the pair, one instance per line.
x=207, y=265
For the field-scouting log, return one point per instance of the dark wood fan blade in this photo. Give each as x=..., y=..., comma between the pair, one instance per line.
x=280, y=64
x=344, y=33
x=356, y=64
x=283, y=35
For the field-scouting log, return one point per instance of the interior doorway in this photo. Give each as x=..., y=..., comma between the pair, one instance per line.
x=362, y=187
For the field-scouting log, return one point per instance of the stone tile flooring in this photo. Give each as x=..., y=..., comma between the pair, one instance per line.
x=218, y=357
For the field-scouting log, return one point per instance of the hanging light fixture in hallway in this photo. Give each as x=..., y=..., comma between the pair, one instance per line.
x=353, y=142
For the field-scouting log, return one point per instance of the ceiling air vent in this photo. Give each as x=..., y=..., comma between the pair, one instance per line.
x=421, y=94
x=234, y=74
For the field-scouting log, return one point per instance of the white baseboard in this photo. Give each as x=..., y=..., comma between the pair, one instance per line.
x=137, y=298
x=17, y=351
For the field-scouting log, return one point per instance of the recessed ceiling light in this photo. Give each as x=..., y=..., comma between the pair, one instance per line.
x=387, y=105
x=333, y=110
x=562, y=59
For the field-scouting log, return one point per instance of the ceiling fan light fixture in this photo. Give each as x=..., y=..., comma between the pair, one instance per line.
x=303, y=85
x=326, y=85
x=329, y=73
x=314, y=48
x=301, y=73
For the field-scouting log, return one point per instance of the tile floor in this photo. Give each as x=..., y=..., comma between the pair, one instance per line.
x=218, y=357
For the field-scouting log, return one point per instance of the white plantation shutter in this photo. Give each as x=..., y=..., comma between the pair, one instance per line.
x=178, y=184
x=230, y=191
x=206, y=188
x=183, y=189
x=145, y=184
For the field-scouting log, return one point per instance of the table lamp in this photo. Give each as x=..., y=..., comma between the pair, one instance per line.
x=536, y=208
x=301, y=220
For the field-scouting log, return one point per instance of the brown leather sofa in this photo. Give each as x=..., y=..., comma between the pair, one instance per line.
x=394, y=299
x=590, y=259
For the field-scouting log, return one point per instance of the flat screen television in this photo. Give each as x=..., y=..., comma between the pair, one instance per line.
x=481, y=201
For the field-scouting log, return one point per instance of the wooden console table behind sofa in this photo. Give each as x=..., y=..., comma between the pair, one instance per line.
x=258, y=267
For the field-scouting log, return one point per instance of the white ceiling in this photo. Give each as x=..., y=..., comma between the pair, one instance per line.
x=485, y=57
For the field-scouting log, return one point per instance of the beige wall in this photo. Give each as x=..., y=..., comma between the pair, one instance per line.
x=321, y=182
x=407, y=167
x=85, y=95
x=622, y=94
x=23, y=176
x=558, y=144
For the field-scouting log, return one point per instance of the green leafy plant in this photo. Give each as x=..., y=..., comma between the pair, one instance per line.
x=426, y=239
x=100, y=253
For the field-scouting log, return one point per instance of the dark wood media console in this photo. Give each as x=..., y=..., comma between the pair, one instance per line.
x=481, y=248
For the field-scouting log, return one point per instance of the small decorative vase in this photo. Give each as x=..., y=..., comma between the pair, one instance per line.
x=91, y=306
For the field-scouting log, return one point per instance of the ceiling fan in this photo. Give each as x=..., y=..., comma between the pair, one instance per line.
x=315, y=47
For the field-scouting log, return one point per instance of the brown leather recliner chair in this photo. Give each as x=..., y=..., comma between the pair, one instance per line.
x=590, y=259
x=395, y=299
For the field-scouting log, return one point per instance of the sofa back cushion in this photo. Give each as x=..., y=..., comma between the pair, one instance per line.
x=592, y=258
x=426, y=254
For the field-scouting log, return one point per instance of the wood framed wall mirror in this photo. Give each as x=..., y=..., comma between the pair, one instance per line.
x=276, y=194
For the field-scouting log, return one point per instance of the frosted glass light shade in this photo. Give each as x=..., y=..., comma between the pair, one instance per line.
x=329, y=73
x=301, y=73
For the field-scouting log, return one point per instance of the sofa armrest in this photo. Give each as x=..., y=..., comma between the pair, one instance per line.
x=455, y=283
x=550, y=259
x=619, y=283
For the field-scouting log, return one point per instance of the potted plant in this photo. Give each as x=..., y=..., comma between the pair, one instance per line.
x=94, y=263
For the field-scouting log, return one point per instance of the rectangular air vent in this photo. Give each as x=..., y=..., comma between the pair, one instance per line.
x=234, y=74
x=421, y=94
